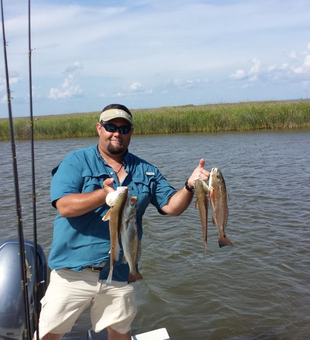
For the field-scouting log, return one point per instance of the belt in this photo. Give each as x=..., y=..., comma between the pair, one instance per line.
x=97, y=268
x=94, y=269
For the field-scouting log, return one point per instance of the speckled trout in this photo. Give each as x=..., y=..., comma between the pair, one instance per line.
x=201, y=193
x=117, y=200
x=218, y=200
x=130, y=239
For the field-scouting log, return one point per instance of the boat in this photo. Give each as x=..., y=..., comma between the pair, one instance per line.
x=157, y=334
x=12, y=308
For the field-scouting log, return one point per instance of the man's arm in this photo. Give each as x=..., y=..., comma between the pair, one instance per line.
x=180, y=201
x=74, y=205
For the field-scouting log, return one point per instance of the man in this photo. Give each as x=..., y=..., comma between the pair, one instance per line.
x=79, y=256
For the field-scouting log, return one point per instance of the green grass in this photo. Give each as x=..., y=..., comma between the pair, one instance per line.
x=173, y=119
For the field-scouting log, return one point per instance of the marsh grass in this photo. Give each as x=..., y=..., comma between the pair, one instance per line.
x=172, y=119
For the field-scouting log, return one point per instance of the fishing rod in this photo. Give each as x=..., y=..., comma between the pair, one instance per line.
x=35, y=240
x=24, y=286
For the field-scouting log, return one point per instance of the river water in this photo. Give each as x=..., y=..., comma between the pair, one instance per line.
x=259, y=289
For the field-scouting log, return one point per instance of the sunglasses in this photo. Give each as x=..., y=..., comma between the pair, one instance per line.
x=123, y=130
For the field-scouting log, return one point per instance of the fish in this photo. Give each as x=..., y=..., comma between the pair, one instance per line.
x=112, y=196
x=219, y=205
x=115, y=216
x=201, y=192
x=130, y=239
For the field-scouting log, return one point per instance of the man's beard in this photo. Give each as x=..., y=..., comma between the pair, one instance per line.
x=116, y=150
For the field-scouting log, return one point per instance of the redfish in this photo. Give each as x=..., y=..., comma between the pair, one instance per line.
x=218, y=200
x=115, y=215
x=201, y=193
x=130, y=239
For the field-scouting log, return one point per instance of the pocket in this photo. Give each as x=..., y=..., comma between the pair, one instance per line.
x=143, y=189
x=92, y=183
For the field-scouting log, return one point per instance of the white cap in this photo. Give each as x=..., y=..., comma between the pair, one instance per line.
x=110, y=114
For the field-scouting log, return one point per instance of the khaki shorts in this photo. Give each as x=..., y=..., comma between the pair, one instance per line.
x=70, y=293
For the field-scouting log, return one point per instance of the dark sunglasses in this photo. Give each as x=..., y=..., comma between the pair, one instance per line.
x=123, y=130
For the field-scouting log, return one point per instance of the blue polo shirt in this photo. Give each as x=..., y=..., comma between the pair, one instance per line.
x=82, y=241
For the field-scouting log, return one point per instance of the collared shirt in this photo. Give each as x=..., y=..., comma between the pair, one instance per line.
x=82, y=241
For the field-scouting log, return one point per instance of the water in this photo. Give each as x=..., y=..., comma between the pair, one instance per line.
x=256, y=290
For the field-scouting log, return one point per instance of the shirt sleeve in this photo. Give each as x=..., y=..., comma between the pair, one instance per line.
x=67, y=178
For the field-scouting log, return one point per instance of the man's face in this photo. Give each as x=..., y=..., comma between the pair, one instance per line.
x=114, y=143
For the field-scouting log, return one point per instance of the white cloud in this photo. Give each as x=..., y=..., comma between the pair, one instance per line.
x=182, y=83
x=239, y=74
x=307, y=61
x=296, y=69
x=77, y=66
x=13, y=79
x=251, y=75
x=135, y=86
x=256, y=66
x=305, y=67
x=135, y=89
x=70, y=87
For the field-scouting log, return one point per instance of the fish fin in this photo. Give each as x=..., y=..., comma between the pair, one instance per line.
x=196, y=204
x=224, y=241
x=106, y=217
x=109, y=279
x=211, y=193
x=205, y=187
x=124, y=260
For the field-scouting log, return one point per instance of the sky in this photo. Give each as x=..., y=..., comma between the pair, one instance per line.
x=153, y=53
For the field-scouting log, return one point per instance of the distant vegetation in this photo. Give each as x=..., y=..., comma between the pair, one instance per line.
x=173, y=119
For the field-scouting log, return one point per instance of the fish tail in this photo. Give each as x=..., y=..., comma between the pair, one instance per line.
x=134, y=277
x=224, y=241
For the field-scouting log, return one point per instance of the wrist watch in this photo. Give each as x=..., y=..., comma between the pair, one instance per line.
x=188, y=188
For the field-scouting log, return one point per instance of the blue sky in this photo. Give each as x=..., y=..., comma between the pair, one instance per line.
x=152, y=53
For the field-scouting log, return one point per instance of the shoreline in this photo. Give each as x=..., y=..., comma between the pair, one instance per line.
x=244, y=116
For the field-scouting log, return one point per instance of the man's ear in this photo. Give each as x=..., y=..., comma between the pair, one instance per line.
x=98, y=127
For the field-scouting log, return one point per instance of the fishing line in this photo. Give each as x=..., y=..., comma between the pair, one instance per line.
x=24, y=286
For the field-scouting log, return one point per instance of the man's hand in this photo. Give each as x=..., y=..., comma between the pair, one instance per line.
x=108, y=185
x=199, y=172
